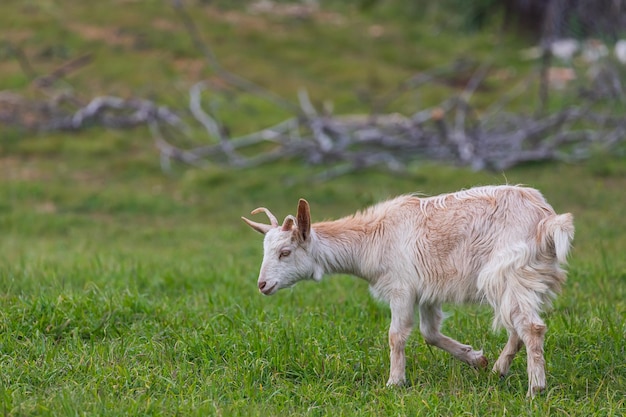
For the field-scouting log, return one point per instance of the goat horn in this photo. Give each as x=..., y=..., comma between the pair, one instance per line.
x=259, y=227
x=273, y=220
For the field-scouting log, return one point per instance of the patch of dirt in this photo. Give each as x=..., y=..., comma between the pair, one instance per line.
x=297, y=11
x=109, y=35
x=164, y=25
x=17, y=36
x=251, y=22
x=256, y=15
x=47, y=207
x=16, y=169
x=190, y=68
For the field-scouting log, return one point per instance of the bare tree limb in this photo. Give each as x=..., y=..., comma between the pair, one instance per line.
x=62, y=71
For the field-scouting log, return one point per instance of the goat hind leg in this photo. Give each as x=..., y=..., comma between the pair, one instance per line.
x=513, y=345
x=431, y=317
x=532, y=330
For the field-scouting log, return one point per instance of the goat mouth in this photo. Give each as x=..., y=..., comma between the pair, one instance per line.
x=269, y=291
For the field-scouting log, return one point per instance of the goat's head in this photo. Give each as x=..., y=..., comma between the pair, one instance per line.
x=287, y=255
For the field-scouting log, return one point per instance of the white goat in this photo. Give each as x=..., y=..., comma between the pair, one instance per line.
x=498, y=244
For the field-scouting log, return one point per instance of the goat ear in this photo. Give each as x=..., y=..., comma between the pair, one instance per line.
x=288, y=223
x=304, y=220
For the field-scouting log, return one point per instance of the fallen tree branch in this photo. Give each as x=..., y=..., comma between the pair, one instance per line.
x=352, y=142
x=62, y=71
x=452, y=133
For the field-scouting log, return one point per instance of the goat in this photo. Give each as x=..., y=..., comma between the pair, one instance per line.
x=503, y=245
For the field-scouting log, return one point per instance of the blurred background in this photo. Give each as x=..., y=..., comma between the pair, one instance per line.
x=485, y=84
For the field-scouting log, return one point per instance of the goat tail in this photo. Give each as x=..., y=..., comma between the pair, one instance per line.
x=555, y=234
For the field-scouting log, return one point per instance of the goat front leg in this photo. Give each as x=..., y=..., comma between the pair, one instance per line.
x=431, y=317
x=402, y=316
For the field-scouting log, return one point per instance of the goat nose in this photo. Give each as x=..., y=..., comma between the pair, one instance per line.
x=262, y=285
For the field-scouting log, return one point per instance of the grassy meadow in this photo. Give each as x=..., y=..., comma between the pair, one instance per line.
x=126, y=291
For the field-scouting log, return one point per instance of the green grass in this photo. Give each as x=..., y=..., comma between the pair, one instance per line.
x=146, y=303
x=125, y=291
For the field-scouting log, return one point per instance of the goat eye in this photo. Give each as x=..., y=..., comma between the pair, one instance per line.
x=284, y=253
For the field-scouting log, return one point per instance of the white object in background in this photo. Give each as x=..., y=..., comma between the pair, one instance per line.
x=564, y=49
x=620, y=51
x=593, y=50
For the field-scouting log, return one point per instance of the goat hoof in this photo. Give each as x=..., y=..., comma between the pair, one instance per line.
x=481, y=363
x=533, y=391
x=396, y=382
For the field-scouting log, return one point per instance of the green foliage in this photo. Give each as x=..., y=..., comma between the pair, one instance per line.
x=125, y=291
